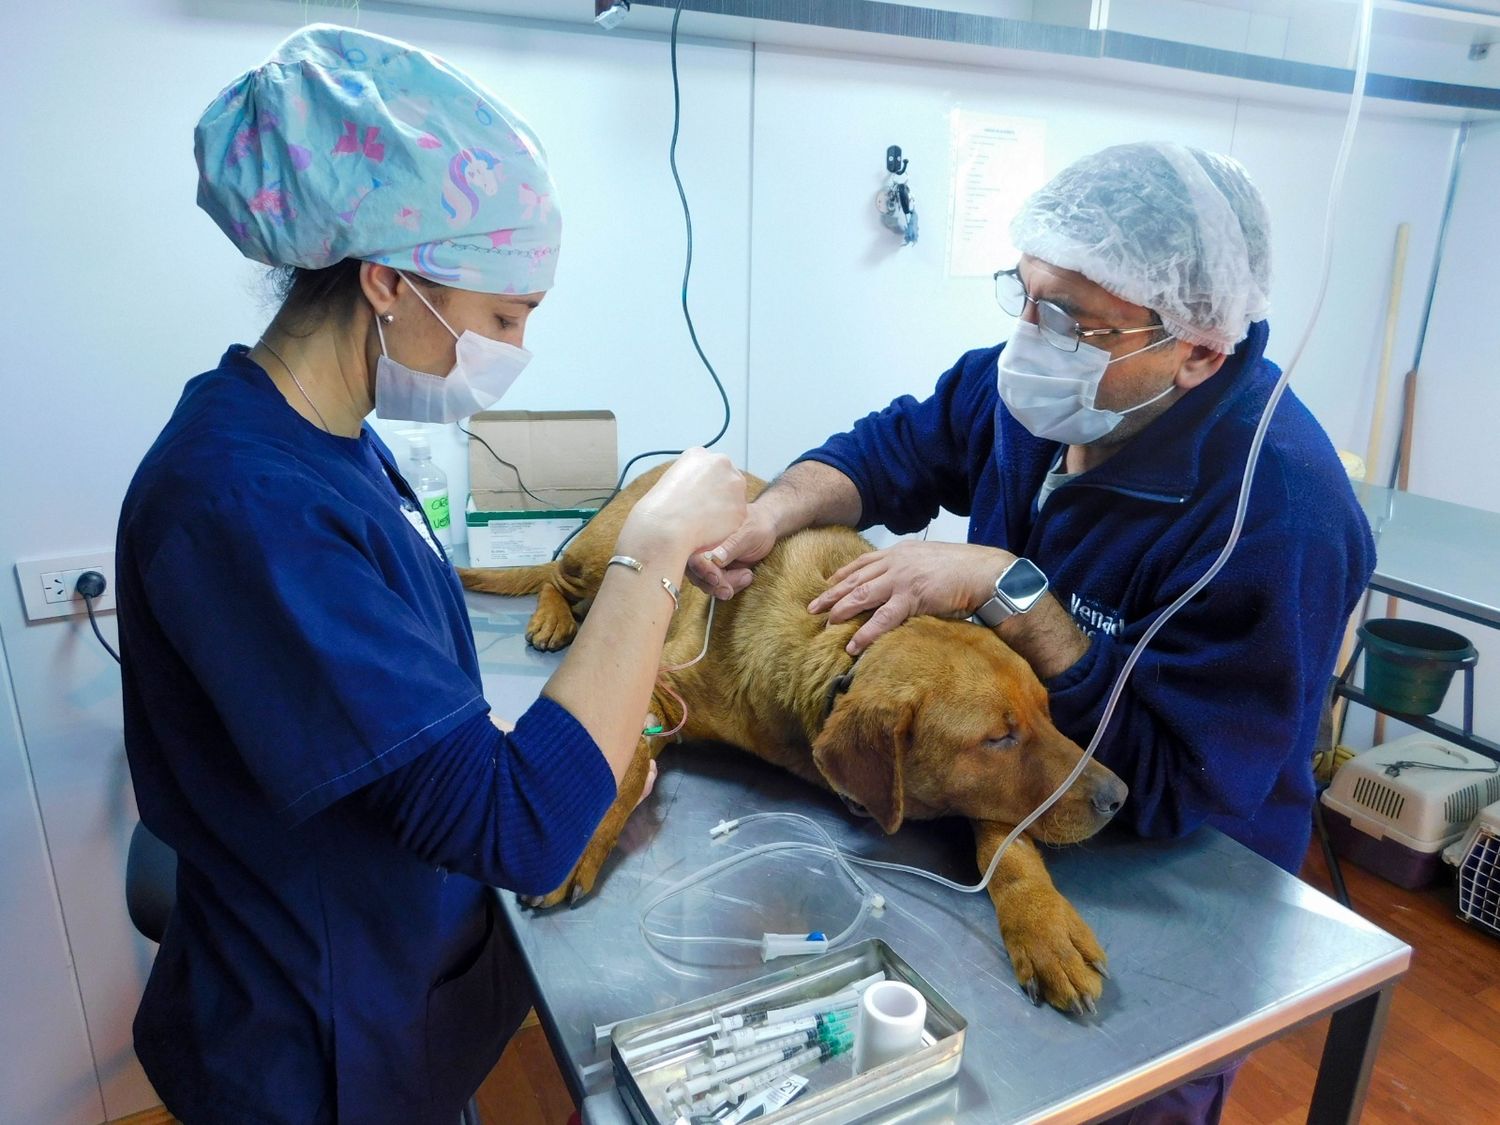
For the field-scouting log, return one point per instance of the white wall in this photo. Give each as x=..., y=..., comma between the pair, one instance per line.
x=43, y=1032
x=1458, y=392
x=815, y=300
x=119, y=290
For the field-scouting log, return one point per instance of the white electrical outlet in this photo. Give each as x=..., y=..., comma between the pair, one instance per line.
x=49, y=586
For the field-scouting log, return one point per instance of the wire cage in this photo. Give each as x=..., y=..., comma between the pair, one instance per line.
x=1478, y=862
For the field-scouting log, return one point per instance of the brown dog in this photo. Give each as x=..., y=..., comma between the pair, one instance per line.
x=936, y=718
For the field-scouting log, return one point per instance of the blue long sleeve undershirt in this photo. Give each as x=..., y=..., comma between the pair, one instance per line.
x=514, y=811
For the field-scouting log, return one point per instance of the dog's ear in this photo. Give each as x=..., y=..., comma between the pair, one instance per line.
x=861, y=751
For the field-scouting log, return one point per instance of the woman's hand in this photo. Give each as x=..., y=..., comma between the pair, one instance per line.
x=696, y=503
x=911, y=578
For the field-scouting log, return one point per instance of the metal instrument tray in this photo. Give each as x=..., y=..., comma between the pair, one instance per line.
x=835, y=1093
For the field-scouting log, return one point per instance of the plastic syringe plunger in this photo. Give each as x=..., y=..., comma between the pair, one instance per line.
x=716, y=1064
x=804, y=1057
x=749, y=1036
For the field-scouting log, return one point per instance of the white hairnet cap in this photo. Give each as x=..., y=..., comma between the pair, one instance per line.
x=1180, y=231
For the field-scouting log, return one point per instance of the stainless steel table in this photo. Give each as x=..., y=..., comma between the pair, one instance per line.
x=1435, y=553
x=1212, y=949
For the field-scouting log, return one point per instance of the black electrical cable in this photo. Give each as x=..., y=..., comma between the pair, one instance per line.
x=89, y=586
x=1393, y=769
x=89, y=603
x=687, y=271
x=507, y=464
x=687, y=265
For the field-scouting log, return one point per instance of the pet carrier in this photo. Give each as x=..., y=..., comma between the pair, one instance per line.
x=1477, y=857
x=1395, y=807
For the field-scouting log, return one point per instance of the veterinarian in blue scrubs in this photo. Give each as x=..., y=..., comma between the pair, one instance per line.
x=1103, y=447
x=303, y=711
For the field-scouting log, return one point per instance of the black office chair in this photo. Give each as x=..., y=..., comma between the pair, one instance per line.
x=151, y=889
x=150, y=883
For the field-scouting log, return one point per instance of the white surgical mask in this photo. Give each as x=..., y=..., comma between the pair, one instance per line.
x=483, y=370
x=1051, y=392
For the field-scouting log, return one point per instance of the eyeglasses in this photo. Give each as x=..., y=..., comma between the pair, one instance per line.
x=1057, y=325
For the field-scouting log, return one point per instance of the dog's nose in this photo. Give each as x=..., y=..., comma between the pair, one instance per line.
x=1109, y=796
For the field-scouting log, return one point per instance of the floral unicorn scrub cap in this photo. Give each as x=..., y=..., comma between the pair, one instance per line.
x=350, y=145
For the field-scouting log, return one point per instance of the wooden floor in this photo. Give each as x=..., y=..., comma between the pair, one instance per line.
x=1439, y=1062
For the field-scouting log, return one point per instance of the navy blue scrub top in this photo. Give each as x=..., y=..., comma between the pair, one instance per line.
x=290, y=636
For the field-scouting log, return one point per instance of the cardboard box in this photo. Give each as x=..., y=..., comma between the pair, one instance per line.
x=562, y=467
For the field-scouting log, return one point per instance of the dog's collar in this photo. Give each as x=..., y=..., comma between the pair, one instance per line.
x=837, y=687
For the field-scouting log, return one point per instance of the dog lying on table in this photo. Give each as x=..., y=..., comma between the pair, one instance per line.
x=936, y=718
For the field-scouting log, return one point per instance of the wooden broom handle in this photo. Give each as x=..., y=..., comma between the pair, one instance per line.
x=1387, y=347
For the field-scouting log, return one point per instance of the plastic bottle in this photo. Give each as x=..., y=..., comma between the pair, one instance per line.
x=430, y=484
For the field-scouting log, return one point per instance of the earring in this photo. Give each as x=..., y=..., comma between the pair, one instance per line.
x=387, y=318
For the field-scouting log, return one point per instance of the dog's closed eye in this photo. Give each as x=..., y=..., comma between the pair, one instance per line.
x=1001, y=742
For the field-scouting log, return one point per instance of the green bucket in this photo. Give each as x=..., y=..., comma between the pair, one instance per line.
x=1409, y=664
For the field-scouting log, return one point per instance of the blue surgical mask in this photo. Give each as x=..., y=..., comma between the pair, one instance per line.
x=1051, y=392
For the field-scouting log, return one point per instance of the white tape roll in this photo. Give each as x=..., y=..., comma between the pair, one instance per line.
x=892, y=1015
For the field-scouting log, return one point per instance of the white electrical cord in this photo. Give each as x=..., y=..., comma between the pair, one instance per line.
x=1361, y=69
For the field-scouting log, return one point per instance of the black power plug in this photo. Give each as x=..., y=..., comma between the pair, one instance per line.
x=90, y=584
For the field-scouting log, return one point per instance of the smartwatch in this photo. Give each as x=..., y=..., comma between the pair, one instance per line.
x=1019, y=587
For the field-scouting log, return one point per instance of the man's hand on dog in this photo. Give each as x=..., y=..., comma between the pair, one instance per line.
x=911, y=578
x=725, y=571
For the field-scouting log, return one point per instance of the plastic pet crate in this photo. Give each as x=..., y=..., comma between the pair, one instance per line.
x=1477, y=857
x=1395, y=807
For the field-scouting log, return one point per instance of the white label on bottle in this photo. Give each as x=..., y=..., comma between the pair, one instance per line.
x=414, y=518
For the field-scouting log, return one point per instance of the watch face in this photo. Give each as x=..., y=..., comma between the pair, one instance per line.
x=1022, y=583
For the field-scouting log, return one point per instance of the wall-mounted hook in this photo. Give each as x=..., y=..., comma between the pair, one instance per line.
x=894, y=201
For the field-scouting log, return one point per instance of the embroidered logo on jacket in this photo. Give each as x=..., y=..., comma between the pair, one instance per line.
x=1091, y=619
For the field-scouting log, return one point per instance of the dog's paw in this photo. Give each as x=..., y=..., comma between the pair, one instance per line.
x=549, y=630
x=1056, y=956
x=579, y=882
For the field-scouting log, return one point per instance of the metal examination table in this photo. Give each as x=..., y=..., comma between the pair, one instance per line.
x=1434, y=553
x=1213, y=950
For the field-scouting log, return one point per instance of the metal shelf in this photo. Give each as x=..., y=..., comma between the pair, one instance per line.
x=1460, y=736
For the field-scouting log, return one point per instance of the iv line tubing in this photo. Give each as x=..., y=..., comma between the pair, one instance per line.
x=1361, y=69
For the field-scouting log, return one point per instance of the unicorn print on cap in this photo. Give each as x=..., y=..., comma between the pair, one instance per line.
x=473, y=170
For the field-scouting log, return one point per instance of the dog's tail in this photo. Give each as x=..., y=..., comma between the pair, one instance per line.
x=509, y=581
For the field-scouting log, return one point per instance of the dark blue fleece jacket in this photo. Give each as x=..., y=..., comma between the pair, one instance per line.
x=1218, y=722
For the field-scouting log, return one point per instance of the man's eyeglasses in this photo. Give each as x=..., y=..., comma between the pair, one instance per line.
x=1058, y=326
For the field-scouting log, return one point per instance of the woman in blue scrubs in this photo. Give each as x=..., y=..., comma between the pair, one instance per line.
x=303, y=711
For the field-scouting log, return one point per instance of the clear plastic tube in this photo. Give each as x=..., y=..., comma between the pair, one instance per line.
x=868, y=901
x=830, y=848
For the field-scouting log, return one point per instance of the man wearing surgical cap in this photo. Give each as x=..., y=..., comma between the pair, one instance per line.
x=1102, y=449
x=304, y=715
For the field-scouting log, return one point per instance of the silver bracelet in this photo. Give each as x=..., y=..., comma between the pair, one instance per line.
x=671, y=588
x=636, y=565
